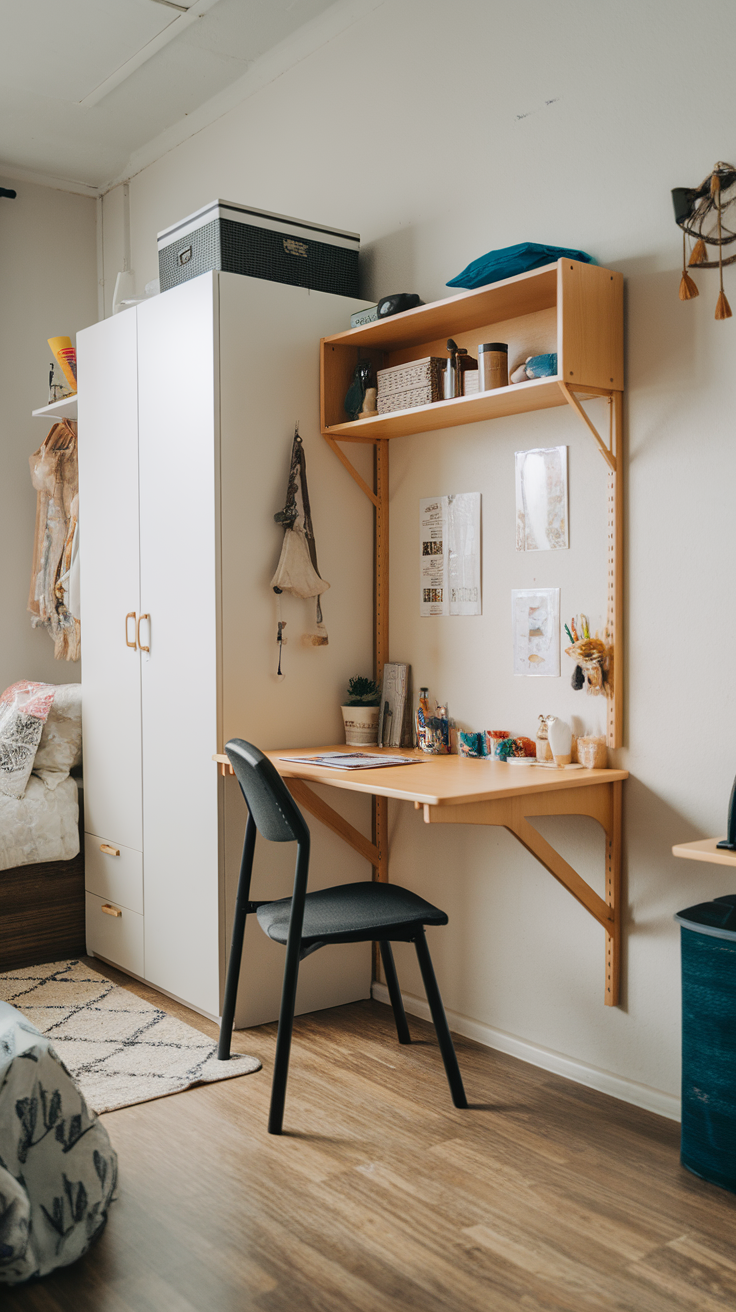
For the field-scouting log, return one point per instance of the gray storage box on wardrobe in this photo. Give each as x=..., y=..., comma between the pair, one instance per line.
x=240, y=239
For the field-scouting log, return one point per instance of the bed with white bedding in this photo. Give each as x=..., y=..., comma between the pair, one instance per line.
x=41, y=863
x=40, y=742
x=42, y=825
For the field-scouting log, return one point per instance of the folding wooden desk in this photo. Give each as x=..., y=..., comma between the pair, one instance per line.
x=469, y=791
x=705, y=849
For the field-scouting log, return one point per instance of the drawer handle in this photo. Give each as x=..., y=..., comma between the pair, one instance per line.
x=110, y=911
x=109, y=849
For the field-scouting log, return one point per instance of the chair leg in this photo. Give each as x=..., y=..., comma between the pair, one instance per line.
x=288, y=992
x=444, y=1037
x=394, y=992
x=236, y=945
x=283, y=1039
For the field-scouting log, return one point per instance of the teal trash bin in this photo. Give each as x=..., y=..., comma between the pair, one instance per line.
x=708, y=944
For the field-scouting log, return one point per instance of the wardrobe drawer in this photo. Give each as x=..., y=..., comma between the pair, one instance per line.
x=115, y=933
x=114, y=872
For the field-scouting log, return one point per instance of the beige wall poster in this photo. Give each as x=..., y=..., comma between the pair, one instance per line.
x=449, y=555
x=536, y=624
x=541, y=499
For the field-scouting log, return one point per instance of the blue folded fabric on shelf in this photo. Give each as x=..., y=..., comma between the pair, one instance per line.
x=542, y=366
x=510, y=260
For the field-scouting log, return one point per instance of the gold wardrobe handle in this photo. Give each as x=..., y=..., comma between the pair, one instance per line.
x=128, y=643
x=138, y=631
x=110, y=911
x=109, y=849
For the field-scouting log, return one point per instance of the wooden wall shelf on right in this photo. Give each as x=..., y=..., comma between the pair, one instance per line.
x=571, y=308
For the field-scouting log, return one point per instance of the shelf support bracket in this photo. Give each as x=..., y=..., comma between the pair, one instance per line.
x=332, y=444
x=572, y=400
x=321, y=811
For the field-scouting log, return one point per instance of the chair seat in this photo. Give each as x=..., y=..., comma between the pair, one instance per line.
x=353, y=913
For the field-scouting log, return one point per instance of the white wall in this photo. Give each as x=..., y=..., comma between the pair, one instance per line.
x=48, y=288
x=437, y=137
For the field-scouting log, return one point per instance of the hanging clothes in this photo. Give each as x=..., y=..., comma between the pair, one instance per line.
x=54, y=595
x=297, y=571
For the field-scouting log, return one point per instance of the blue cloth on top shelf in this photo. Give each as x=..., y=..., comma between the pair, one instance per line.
x=511, y=260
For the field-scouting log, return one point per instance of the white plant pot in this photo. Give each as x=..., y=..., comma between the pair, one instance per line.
x=361, y=725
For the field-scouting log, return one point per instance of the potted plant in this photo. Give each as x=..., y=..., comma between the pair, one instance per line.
x=360, y=713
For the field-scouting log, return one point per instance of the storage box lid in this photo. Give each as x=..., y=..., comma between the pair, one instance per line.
x=227, y=209
x=716, y=918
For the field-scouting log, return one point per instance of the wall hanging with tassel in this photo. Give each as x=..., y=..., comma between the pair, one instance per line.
x=700, y=212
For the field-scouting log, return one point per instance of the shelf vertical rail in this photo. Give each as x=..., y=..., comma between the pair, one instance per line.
x=612, y=994
x=615, y=573
x=379, y=805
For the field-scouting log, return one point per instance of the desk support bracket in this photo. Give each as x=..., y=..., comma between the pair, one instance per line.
x=602, y=802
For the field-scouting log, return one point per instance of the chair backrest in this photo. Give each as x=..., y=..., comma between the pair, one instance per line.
x=274, y=811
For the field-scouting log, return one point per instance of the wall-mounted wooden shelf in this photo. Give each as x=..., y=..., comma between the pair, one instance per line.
x=573, y=309
x=66, y=409
x=518, y=399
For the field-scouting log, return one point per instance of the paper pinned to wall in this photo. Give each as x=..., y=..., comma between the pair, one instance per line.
x=541, y=499
x=535, y=616
x=449, y=555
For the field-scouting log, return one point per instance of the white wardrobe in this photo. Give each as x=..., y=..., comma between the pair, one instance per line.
x=187, y=405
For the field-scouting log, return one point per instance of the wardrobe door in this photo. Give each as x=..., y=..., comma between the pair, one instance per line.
x=109, y=573
x=179, y=492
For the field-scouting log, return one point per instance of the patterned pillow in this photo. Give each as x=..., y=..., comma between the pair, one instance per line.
x=57, y=1168
x=60, y=747
x=24, y=708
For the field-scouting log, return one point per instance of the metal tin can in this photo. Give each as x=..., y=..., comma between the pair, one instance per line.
x=493, y=365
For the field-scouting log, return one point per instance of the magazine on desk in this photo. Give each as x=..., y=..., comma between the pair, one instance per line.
x=350, y=760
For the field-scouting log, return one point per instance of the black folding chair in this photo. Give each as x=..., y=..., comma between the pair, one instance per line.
x=349, y=913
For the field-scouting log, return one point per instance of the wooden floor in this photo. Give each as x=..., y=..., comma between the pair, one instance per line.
x=382, y=1198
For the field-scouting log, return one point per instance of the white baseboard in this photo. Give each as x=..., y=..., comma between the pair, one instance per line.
x=640, y=1095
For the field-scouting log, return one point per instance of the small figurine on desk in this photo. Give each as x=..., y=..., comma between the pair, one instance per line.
x=544, y=751
x=560, y=740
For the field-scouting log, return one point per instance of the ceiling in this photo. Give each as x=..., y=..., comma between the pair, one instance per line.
x=88, y=82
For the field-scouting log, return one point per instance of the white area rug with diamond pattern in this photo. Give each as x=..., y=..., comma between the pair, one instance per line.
x=119, y=1049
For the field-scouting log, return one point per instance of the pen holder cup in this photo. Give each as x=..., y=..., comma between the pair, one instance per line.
x=592, y=656
x=433, y=734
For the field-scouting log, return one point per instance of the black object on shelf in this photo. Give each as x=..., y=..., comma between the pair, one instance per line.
x=396, y=303
x=728, y=844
